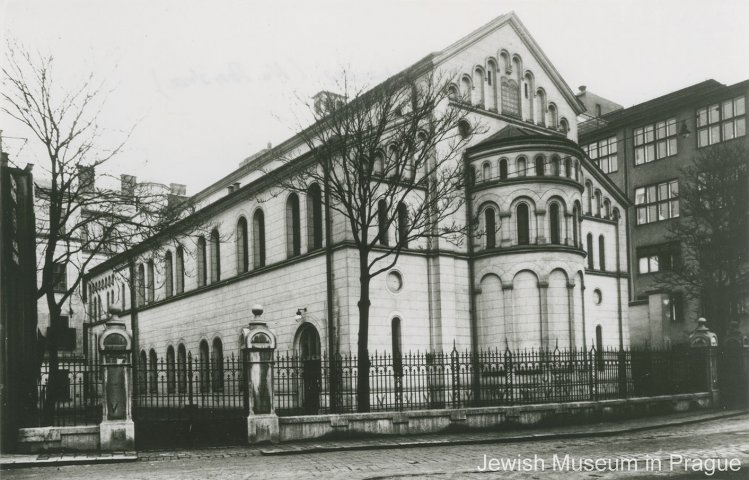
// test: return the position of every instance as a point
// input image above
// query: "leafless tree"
(81, 221)
(387, 159)
(713, 233)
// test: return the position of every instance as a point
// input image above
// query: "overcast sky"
(210, 83)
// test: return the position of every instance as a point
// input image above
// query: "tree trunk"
(362, 384)
(54, 366)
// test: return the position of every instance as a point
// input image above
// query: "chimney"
(127, 184)
(177, 189)
(582, 88)
(86, 179)
(327, 102)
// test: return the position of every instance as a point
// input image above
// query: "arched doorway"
(308, 346)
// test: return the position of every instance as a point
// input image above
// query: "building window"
(153, 384)
(653, 142)
(151, 282)
(510, 98)
(554, 223)
(141, 281)
(382, 223)
(217, 366)
(181, 369)
(591, 266)
(168, 276)
(464, 129)
(314, 217)
(258, 239)
(59, 277)
(403, 225)
(490, 223)
(503, 169)
(395, 333)
(674, 305)
(202, 273)
(241, 241)
(657, 202)
(657, 258)
(521, 165)
(721, 122)
(204, 368)
(215, 256)
(568, 167)
(601, 253)
(180, 269)
(604, 154)
(540, 166)
(293, 233)
(523, 224)
(170, 370)
(556, 169)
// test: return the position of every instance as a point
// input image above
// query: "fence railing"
(457, 379)
(76, 399)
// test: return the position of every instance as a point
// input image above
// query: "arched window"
(217, 366)
(491, 103)
(314, 217)
(486, 171)
(564, 126)
(598, 203)
(503, 169)
(151, 281)
(204, 368)
(490, 223)
(215, 256)
(607, 208)
(395, 333)
(590, 251)
(576, 224)
(403, 226)
(452, 92)
(202, 272)
(554, 223)
(510, 97)
(153, 384)
(539, 166)
(521, 166)
(170, 370)
(553, 117)
(141, 280)
(568, 167)
(556, 166)
(601, 253)
(243, 259)
(258, 239)
(168, 275)
(540, 107)
(589, 189)
(523, 225)
(142, 372)
(464, 129)
(599, 347)
(293, 243)
(181, 369)
(382, 223)
(378, 163)
(478, 84)
(179, 269)
(466, 88)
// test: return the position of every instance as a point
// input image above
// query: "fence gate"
(733, 374)
(189, 401)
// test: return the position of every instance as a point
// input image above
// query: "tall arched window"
(590, 251)
(486, 171)
(554, 223)
(521, 166)
(607, 208)
(151, 281)
(490, 222)
(403, 226)
(168, 275)
(510, 97)
(215, 256)
(598, 203)
(540, 107)
(204, 368)
(491, 103)
(217, 365)
(202, 272)
(142, 372)
(478, 84)
(539, 166)
(243, 259)
(568, 167)
(452, 92)
(466, 88)
(153, 385)
(503, 169)
(179, 269)
(556, 169)
(601, 253)
(523, 225)
(589, 190)
(576, 224)
(382, 223)
(553, 117)
(378, 163)
(314, 217)
(395, 333)
(599, 347)
(258, 239)
(564, 126)
(293, 240)
(170, 370)
(181, 369)
(141, 280)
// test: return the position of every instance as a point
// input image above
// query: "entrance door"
(309, 350)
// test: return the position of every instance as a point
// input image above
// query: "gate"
(733, 373)
(189, 401)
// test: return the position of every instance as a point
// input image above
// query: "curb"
(500, 439)
(68, 461)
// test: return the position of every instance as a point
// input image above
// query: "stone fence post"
(260, 345)
(704, 342)
(117, 430)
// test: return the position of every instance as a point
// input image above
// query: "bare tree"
(80, 222)
(387, 159)
(713, 233)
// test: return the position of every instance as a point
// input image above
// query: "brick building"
(643, 150)
(549, 267)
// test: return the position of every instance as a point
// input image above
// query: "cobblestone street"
(725, 439)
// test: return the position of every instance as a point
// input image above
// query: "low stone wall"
(487, 418)
(55, 439)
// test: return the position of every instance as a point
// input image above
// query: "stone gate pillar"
(117, 430)
(704, 344)
(260, 345)
(735, 367)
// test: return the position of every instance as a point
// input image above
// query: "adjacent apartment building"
(643, 150)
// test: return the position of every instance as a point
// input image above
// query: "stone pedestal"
(705, 344)
(260, 345)
(117, 430)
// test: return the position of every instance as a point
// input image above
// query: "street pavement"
(682, 450)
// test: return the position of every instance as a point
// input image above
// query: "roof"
(514, 134)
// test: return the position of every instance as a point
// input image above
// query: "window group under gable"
(510, 98)
(657, 202)
(604, 154)
(721, 121)
(656, 141)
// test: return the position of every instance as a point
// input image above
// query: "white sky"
(211, 82)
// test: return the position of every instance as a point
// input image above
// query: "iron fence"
(457, 379)
(72, 398)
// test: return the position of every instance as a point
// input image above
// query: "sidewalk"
(371, 443)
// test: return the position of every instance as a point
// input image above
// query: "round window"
(394, 281)
(597, 297)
